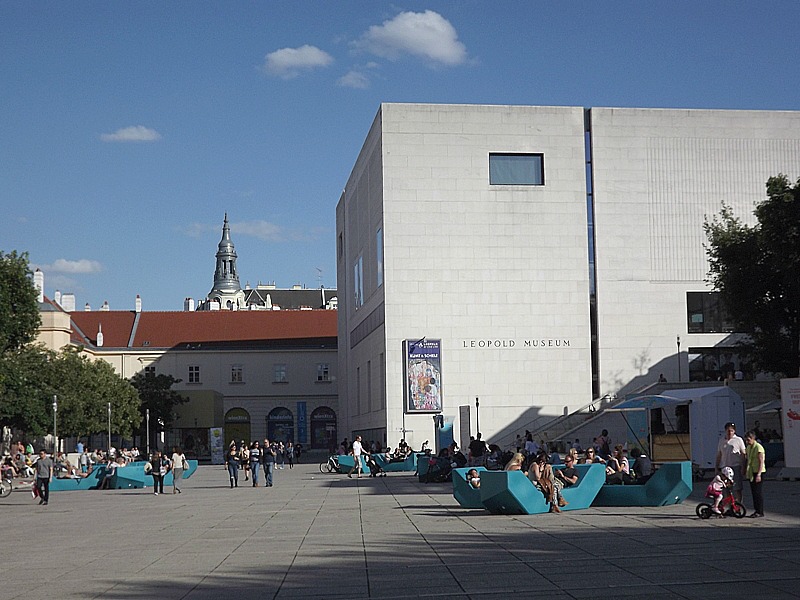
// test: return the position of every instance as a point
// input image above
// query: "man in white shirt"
(731, 452)
(358, 450)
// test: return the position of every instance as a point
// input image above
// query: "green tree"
(756, 269)
(26, 390)
(19, 310)
(156, 394)
(85, 389)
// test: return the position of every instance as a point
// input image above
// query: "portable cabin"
(683, 424)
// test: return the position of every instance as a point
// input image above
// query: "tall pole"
(109, 425)
(147, 443)
(477, 415)
(679, 358)
(55, 425)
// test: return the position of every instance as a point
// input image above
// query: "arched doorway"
(280, 425)
(237, 426)
(323, 428)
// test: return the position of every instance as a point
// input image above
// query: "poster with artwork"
(216, 441)
(423, 367)
(790, 394)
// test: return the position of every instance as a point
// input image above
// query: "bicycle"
(331, 465)
(729, 507)
(6, 486)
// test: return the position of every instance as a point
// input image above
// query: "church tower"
(227, 290)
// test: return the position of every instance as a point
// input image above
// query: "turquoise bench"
(91, 482)
(466, 495)
(409, 464)
(347, 462)
(512, 493)
(131, 476)
(670, 484)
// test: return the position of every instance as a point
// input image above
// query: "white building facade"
(556, 252)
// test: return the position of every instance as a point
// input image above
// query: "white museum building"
(537, 258)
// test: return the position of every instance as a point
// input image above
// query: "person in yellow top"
(755, 471)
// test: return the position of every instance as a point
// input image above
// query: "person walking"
(44, 475)
(732, 453)
(158, 469)
(268, 454)
(232, 463)
(255, 461)
(281, 450)
(755, 471)
(357, 451)
(244, 459)
(290, 454)
(178, 466)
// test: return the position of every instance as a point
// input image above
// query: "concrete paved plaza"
(327, 536)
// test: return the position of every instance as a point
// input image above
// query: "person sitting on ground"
(716, 489)
(618, 468)
(493, 459)
(515, 464)
(568, 475)
(642, 466)
(474, 478)
(541, 475)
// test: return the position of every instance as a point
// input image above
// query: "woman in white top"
(178, 465)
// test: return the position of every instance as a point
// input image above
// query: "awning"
(766, 407)
(650, 402)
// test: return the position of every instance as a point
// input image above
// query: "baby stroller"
(375, 469)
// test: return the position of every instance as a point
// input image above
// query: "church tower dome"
(227, 290)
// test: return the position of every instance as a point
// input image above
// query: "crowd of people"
(253, 458)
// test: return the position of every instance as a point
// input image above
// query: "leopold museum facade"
(536, 258)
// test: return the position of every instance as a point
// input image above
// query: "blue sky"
(127, 130)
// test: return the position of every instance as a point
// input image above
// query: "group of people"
(359, 449)
(251, 459)
(739, 459)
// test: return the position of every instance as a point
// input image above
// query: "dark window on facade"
(516, 169)
(706, 314)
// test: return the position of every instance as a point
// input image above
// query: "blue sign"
(302, 423)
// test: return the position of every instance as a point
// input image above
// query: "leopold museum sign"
(512, 343)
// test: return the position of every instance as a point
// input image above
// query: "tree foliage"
(156, 394)
(26, 389)
(756, 269)
(19, 310)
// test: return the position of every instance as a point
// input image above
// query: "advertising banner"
(216, 441)
(790, 395)
(463, 426)
(423, 388)
(302, 423)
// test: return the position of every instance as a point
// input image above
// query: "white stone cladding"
(465, 262)
(657, 174)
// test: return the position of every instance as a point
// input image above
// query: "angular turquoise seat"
(91, 482)
(512, 493)
(409, 464)
(347, 461)
(466, 495)
(670, 484)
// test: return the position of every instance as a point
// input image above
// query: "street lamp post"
(477, 415)
(147, 443)
(109, 425)
(55, 425)
(679, 358)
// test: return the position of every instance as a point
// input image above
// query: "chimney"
(87, 308)
(188, 304)
(105, 306)
(68, 302)
(99, 335)
(138, 304)
(38, 283)
(57, 297)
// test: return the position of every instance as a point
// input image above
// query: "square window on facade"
(516, 169)
(323, 372)
(150, 370)
(194, 374)
(279, 373)
(237, 374)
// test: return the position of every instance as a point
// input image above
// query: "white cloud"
(263, 230)
(427, 35)
(83, 266)
(354, 79)
(134, 133)
(288, 62)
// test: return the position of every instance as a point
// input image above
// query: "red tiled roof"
(169, 329)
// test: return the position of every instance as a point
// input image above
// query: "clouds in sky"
(134, 133)
(424, 35)
(83, 266)
(289, 62)
(261, 230)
